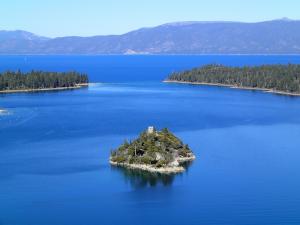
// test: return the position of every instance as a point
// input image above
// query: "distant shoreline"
(234, 87)
(77, 86)
(3, 110)
(154, 54)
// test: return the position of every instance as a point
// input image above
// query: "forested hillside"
(284, 78)
(39, 80)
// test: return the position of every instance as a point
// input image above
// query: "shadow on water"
(139, 179)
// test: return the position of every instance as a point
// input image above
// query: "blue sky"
(91, 17)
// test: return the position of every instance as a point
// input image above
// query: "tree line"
(16, 80)
(277, 77)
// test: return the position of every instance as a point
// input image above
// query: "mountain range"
(270, 37)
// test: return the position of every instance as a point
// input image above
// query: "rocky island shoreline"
(153, 151)
(272, 91)
(76, 86)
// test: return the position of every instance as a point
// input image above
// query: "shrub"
(119, 159)
(161, 163)
(146, 160)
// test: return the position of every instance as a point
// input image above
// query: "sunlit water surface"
(54, 147)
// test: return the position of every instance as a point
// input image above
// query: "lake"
(54, 147)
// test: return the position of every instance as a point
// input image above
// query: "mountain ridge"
(280, 36)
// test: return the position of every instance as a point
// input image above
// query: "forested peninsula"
(281, 79)
(17, 81)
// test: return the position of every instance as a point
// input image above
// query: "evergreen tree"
(38, 79)
(284, 78)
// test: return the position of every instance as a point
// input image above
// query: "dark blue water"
(54, 147)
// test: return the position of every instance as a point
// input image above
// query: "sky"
(55, 18)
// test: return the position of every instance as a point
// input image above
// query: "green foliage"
(119, 159)
(38, 79)
(157, 148)
(161, 163)
(184, 152)
(113, 153)
(131, 160)
(276, 77)
(146, 159)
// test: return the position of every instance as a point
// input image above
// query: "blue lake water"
(54, 147)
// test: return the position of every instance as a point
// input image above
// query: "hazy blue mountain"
(270, 37)
(15, 42)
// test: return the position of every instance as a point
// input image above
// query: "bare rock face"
(155, 151)
(158, 156)
(174, 163)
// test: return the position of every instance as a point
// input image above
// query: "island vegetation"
(15, 81)
(154, 151)
(282, 79)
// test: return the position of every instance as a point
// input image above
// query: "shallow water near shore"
(55, 147)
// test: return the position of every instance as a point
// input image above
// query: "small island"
(11, 82)
(280, 79)
(153, 151)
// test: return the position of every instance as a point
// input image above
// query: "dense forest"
(38, 80)
(285, 78)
